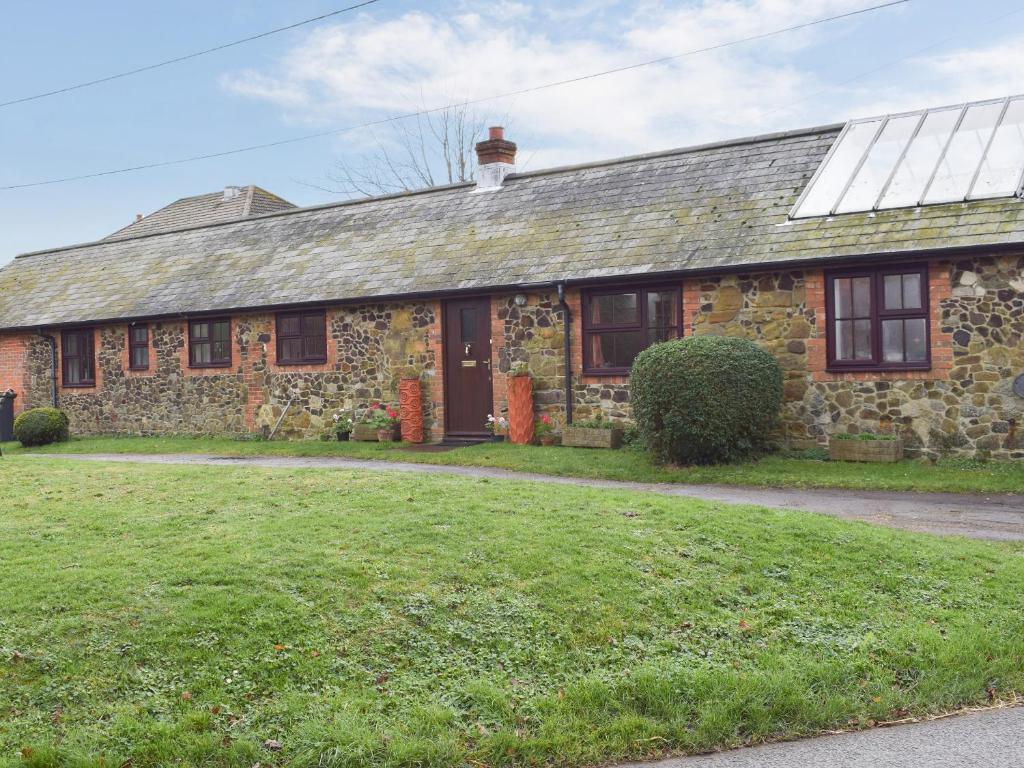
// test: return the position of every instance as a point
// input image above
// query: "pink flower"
(546, 419)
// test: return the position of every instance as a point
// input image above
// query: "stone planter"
(389, 434)
(410, 405)
(587, 437)
(879, 451)
(520, 410)
(364, 433)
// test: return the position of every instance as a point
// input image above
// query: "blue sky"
(396, 56)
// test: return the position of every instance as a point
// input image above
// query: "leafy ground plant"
(208, 616)
(804, 471)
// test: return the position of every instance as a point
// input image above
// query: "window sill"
(318, 361)
(878, 368)
(206, 366)
(83, 385)
(139, 370)
(607, 372)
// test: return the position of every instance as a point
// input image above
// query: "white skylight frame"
(884, 121)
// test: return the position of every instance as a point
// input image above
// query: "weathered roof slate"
(712, 207)
(200, 210)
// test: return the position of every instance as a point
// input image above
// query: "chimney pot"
(138, 217)
(496, 157)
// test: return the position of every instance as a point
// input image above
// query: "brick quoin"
(13, 371)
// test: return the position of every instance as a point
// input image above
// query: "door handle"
(468, 347)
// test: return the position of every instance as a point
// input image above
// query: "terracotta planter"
(520, 410)
(877, 451)
(389, 435)
(410, 405)
(587, 437)
(547, 440)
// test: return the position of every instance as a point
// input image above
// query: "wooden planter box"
(364, 432)
(586, 437)
(879, 451)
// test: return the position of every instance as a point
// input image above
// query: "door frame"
(444, 360)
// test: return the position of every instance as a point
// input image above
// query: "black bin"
(7, 416)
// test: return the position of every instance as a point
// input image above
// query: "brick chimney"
(496, 159)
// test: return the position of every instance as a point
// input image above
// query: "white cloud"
(370, 67)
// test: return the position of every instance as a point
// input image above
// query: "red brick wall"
(13, 368)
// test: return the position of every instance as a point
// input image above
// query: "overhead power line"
(186, 57)
(469, 102)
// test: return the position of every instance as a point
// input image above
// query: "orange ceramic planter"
(410, 405)
(520, 410)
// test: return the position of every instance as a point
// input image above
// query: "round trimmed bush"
(41, 426)
(705, 399)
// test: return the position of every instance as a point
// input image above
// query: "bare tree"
(431, 149)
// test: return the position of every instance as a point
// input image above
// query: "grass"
(948, 475)
(185, 615)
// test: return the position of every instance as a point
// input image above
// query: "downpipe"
(53, 367)
(567, 350)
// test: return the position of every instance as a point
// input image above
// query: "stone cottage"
(881, 261)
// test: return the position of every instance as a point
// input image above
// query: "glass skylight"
(952, 154)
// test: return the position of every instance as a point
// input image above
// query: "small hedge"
(41, 426)
(706, 399)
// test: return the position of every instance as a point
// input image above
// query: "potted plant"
(386, 422)
(887, 449)
(544, 429)
(497, 426)
(596, 432)
(520, 405)
(343, 423)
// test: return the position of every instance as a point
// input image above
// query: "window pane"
(867, 185)
(140, 334)
(140, 357)
(222, 330)
(291, 349)
(964, 154)
(892, 341)
(615, 309)
(861, 296)
(467, 318)
(862, 339)
(200, 330)
(893, 292)
(830, 183)
(1002, 167)
(71, 371)
(201, 353)
(661, 308)
(917, 165)
(71, 344)
(843, 297)
(314, 347)
(844, 340)
(658, 335)
(313, 324)
(912, 291)
(220, 351)
(615, 349)
(289, 326)
(915, 335)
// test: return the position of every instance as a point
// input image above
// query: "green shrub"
(41, 426)
(706, 399)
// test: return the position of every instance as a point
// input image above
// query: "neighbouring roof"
(227, 205)
(715, 206)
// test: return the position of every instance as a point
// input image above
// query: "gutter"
(567, 350)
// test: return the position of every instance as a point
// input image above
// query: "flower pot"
(388, 435)
(877, 451)
(520, 410)
(410, 405)
(343, 437)
(588, 437)
(364, 433)
(547, 440)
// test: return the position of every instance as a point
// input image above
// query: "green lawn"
(949, 475)
(184, 615)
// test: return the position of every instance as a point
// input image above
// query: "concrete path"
(980, 517)
(993, 739)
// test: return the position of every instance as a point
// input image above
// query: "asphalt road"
(991, 739)
(999, 517)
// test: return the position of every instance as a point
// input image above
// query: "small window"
(209, 343)
(878, 319)
(78, 357)
(619, 324)
(138, 347)
(302, 338)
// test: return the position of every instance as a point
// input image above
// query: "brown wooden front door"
(467, 366)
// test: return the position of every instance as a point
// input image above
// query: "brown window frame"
(87, 351)
(194, 341)
(305, 359)
(878, 313)
(134, 345)
(642, 324)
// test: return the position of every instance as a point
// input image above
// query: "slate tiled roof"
(711, 207)
(199, 210)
